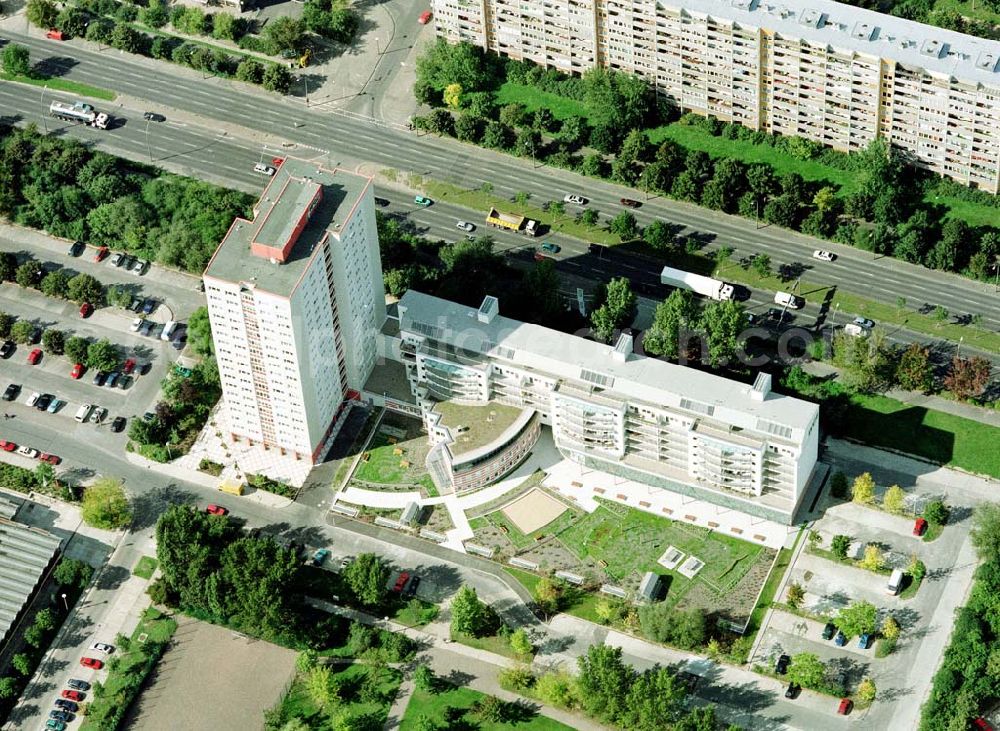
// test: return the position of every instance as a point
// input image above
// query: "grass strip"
(72, 87)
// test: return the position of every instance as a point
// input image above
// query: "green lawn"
(532, 98)
(519, 539)
(443, 706)
(145, 567)
(298, 704)
(935, 435)
(416, 613)
(492, 643)
(73, 87)
(770, 588)
(382, 465)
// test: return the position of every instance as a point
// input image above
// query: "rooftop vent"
(906, 42)
(489, 309)
(933, 48)
(623, 348)
(761, 387)
(987, 61)
(812, 18)
(745, 4)
(864, 31)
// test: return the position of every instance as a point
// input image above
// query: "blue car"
(840, 640)
(320, 556)
(863, 641)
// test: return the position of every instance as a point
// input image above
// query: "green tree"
(8, 687)
(858, 618)
(29, 274)
(105, 504)
(6, 324)
(807, 670)
(604, 681)
(424, 679)
(868, 363)
(873, 558)
(21, 663)
(863, 489)
(470, 615)
(84, 288)
(45, 620)
(893, 501)
(674, 317)
(103, 356)
(42, 13)
(520, 643)
(985, 532)
(936, 512)
(283, 34)
(866, 690)
(55, 283)
(367, 576)
(44, 473)
(276, 78)
(199, 331)
(839, 485)
(8, 266)
(76, 350)
(914, 370)
(22, 332)
(916, 569)
(126, 38)
(658, 235)
(319, 686)
(619, 303)
(890, 629)
(16, 60)
(547, 595)
(588, 217)
(795, 595)
(761, 264)
(306, 660)
(490, 709)
(72, 572)
(840, 545)
(723, 322)
(624, 226)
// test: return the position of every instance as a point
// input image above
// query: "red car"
(77, 371)
(276, 161)
(50, 458)
(85, 309)
(91, 662)
(919, 526)
(981, 724)
(129, 366)
(7, 446)
(55, 35)
(401, 582)
(216, 510)
(101, 253)
(629, 203)
(846, 704)
(34, 356)
(73, 695)
(425, 17)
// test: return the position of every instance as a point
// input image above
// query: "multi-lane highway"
(231, 105)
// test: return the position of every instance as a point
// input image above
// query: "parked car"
(422, 201)
(128, 366)
(781, 667)
(344, 563)
(26, 451)
(91, 662)
(919, 527)
(154, 117)
(76, 248)
(136, 324)
(780, 317)
(64, 716)
(846, 704)
(98, 415)
(77, 371)
(35, 356)
(829, 630)
(55, 34)
(57, 403)
(33, 399)
(981, 724)
(101, 253)
(320, 556)
(44, 401)
(146, 327)
(7, 446)
(551, 248)
(117, 259)
(576, 200)
(630, 203)
(112, 379)
(66, 705)
(128, 262)
(12, 391)
(148, 306)
(214, 509)
(118, 424)
(411, 588)
(8, 348)
(401, 582)
(77, 684)
(864, 640)
(103, 647)
(99, 378)
(824, 255)
(55, 725)
(425, 17)
(73, 695)
(792, 691)
(465, 226)
(140, 267)
(840, 639)
(85, 309)
(264, 169)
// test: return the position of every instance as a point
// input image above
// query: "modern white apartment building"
(295, 301)
(817, 69)
(725, 442)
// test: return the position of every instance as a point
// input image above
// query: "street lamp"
(65, 603)
(41, 100)
(149, 150)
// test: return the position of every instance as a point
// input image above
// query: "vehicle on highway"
(401, 581)
(465, 226)
(85, 309)
(103, 647)
(140, 267)
(55, 725)
(12, 391)
(422, 201)
(154, 117)
(117, 259)
(539, 256)
(57, 403)
(629, 202)
(577, 200)
(44, 401)
(829, 630)
(99, 414)
(77, 684)
(66, 705)
(112, 379)
(381, 202)
(136, 324)
(55, 34)
(714, 289)
(513, 222)
(8, 348)
(792, 690)
(78, 370)
(864, 322)
(7, 446)
(320, 556)
(845, 706)
(73, 695)
(411, 588)
(149, 306)
(264, 169)
(100, 377)
(551, 248)
(855, 330)
(118, 424)
(425, 17)
(787, 299)
(91, 662)
(824, 255)
(35, 356)
(33, 398)
(781, 667)
(26, 451)
(128, 366)
(214, 509)
(101, 253)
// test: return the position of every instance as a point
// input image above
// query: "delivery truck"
(705, 286)
(512, 222)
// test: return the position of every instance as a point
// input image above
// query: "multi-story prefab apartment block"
(485, 383)
(816, 69)
(295, 301)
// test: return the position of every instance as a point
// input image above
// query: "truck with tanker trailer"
(705, 286)
(81, 113)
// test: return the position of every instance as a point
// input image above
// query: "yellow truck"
(512, 222)
(232, 487)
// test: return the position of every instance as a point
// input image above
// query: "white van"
(168, 330)
(786, 299)
(895, 581)
(83, 412)
(855, 330)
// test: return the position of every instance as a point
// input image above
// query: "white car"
(27, 451)
(864, 322)
(823, 255)
(139, 267)
(33, 399)
(465, 226)
(98, 415)
(575, 199)
(136, 324)
(264, 169)
(101, 647)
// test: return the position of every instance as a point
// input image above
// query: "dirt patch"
(533, 511)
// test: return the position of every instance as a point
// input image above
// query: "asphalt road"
(231, 103)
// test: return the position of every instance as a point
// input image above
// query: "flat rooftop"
(483, 423)
(276, 211)
(593, 367)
